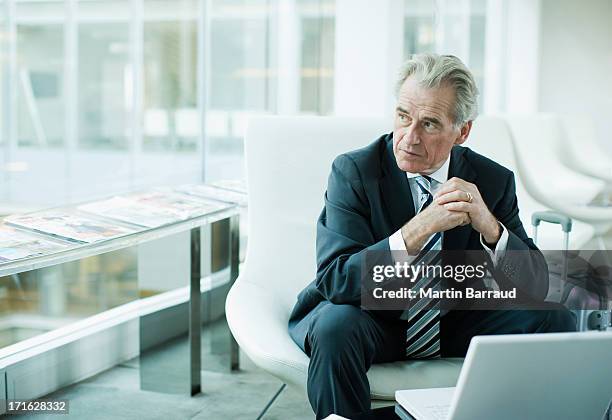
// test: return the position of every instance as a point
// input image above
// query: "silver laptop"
(527, 376)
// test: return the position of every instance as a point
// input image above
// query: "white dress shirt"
(439, 177)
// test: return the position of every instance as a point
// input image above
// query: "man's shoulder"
(483, 165)
(366, 161)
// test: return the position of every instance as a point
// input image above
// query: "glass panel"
(3, 63)
(239, 8)
(477, 45)
(160, 10)
(104, 86)
(251, 70)
(419, 30)
(238, 63)
(40, 85)
(462, 24)
(42, 300)
(317, 72)
(171, 118)
(238, 81)
(103, 10)
(39, 11)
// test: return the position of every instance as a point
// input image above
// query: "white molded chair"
(288, 161)
(491, 137)
(580, 150)
(537, 138)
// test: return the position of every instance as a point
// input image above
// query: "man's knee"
(556, 319)
(336, 327)
(561, 320)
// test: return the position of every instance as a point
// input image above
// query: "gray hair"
(433, 70)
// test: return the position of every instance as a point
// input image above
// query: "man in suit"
(413, 190)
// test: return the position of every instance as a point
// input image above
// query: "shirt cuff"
(500, 248)
(396, 243)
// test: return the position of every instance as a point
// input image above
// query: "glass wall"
(103, 86)
(4, 35)
(100, 97)
(317, 56)
(38, 65)
(171, 116)
(478, 18)
(42, 300)
(40, 98)
(419, 27)
(265, 56)
(448, 27)
(239, 78)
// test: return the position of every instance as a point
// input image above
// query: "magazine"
(16, 244)
(183, 205)
(209, 191)
(70, 225)
(152, 209)
(130, 211)
(236, 185)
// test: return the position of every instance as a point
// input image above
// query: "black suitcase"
(578, 299)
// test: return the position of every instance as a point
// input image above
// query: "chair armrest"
(259, 325)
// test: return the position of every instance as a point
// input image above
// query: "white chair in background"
(580, 150)
(491, 137)
(288, 160)
(536, 138)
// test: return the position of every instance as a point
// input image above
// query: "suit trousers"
(343, 341)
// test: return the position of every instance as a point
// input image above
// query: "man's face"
(423, 133)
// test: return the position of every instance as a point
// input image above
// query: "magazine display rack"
(52, 237)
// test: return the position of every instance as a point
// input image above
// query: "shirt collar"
(441, 175)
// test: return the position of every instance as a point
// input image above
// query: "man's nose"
(411, 135)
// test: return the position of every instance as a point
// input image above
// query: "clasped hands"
(456, 203)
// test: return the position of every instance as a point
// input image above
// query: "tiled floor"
(116, 394)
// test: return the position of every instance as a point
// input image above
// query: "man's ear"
(464, 133)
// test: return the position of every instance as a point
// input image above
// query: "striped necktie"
(423, 332)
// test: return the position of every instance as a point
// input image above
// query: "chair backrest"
(537, 139)
(580, 150)
(491, 136)
(288, 160)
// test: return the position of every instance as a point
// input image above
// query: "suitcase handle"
(552, 217)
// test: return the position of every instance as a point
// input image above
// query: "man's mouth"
(409, 153)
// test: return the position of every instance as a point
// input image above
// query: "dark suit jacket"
(368, 198)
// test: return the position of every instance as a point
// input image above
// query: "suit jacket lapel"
(395, 190)
(459, 167)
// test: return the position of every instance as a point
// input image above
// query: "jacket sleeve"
(344, 235)
(523, 265)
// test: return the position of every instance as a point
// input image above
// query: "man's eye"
(429, 125)
(405, 119)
